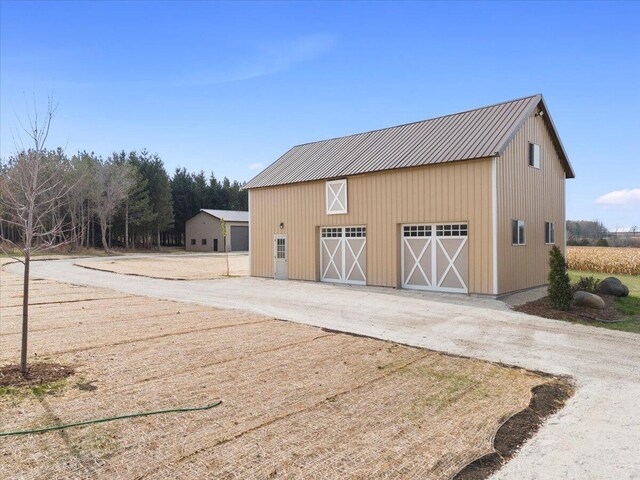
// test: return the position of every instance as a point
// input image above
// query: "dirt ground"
(200, 267)
(543, 308)
(298, 401)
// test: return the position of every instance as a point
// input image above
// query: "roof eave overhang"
(569, 173)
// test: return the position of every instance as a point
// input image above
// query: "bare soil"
(201, 267)
(543, 308)
(37, 374)
(298, 402)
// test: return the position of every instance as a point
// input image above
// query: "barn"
(203, 231)
(466, 203)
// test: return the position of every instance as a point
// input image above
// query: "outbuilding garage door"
(343, 255)
(435, 257)
(239, 238)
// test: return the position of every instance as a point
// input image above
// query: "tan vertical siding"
(459, 191)
(533, 195)
(203, 225)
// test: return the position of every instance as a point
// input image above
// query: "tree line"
(125, 200)
(594, 233)
(49, 200)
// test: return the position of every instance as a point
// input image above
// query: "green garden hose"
(110, 419)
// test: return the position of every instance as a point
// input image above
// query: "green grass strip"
(110, 419)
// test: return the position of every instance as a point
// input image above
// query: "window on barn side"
(517, 232)
(549, 233)
(534, 155)
(336, 197)
(193, 241)
(204, 241)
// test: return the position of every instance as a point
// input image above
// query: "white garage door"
(435, 257)
(343, 255)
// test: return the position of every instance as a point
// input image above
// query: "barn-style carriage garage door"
(435, 257)
(343, 255)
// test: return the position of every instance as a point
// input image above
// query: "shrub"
(559, 286)
(586, 284)
(602, 243)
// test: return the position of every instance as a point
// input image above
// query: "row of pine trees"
(130, 200)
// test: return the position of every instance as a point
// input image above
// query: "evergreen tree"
(559, 289)
(158, 189)
(182, 195)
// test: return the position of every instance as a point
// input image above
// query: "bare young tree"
(223, 228)
(114, 182)
(33, 191)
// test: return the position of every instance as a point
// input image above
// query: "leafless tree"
(223, 229)
(114, 182)
(33, 191)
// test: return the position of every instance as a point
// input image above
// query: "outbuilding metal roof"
(228, 215)
(480, 133)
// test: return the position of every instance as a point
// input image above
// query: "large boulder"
(613, 286)
(586, 299)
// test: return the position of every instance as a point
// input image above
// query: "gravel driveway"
(596, 436)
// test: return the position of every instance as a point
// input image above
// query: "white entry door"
(280, 257)
(343, 255)
(435, 257)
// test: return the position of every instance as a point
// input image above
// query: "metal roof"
(228, 215)
(480, 133)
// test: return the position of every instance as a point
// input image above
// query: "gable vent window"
(336, 197)
(534, 155)
(517, 232)
(549, 233)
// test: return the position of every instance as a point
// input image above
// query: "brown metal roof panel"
(513, 114)
(473, 134)
(309, 161)
(483, 130)
(458, 135)
(387, 144)
(418, 155)
(440, 127)
(332, 162)
(302, 164)
(397, 145)
(327, 162)
(368, 149)
(529, 106)
(487, 146)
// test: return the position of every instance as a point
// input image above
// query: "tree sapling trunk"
(25, 316)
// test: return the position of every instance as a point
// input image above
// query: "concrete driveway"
(596, 436)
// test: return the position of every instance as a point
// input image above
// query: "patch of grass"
(9, 391)
(36, 390)
(628, 306)
(48, 388)
(631, 281)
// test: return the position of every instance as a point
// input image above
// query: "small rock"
(586, 299)
(613, 286)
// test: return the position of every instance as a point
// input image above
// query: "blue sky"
(229, 87)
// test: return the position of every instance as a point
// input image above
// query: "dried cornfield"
(624, 261)
(298, 401)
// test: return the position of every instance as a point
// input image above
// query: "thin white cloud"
(268, 59)
(625, 197)
(256, 166)
(262, 60)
